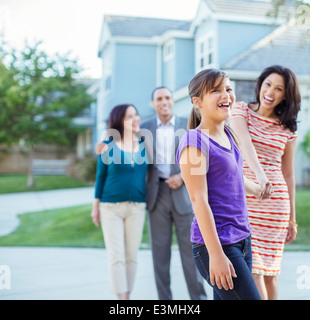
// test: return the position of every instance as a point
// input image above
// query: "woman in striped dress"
(267, 135)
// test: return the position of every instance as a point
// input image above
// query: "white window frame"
(107, 83)
(107, 67)
(205, 50)
(169, 50)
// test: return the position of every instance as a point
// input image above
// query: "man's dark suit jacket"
(179, 196)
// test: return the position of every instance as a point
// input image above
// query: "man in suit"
(167, 199)
(166, 196)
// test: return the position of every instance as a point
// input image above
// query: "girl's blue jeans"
(240, 255)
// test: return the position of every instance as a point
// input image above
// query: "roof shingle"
(247, 7)
(143, 27)
(291, 48)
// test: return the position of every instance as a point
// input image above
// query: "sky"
(75, 25)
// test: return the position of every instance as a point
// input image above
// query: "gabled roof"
(246, 7)
(288, 46)
(126, 26)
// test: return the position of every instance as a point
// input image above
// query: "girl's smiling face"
(217, 103)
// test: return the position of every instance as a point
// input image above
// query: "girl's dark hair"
(289, 107)
(116, 117)
(203, 82)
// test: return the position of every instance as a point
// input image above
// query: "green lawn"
(303, 219)
(18, 183)
(72, 227)
(68, 227)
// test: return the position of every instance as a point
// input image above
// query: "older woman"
(266, 129)
(119, 202)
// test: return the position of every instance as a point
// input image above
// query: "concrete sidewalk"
(82, 274)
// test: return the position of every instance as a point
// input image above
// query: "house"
(87, 120)
(238, 36)
(137, 55)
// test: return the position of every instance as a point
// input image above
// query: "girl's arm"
(252, 188)
(289, 177)
(193, 164)
(248, 151)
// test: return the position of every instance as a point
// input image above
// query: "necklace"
(130, 147)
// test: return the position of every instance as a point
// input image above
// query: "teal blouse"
(121, 176)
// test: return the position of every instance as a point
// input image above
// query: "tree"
(9, 99)
(40, 97)
(305, 145)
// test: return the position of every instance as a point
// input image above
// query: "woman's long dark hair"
(116, 118)
(289, 107)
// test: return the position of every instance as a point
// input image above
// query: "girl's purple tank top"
(226, 191)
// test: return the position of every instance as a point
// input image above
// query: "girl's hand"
(221, 272)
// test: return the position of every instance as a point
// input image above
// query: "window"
(169, 49)
(205, 52)
(107, 83)
(107, 69)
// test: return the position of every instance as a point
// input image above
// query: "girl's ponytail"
(194, 119)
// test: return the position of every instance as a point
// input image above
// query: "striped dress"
(269, 219)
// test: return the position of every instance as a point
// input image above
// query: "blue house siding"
(183, 107)
(135, 69)
(236, 37)
(179, 69)
(205, 27)
(169, 73)
(185, 64)
(104, 97)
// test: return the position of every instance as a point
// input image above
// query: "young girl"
(211, 166)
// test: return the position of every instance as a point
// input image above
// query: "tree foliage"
(305, 145)
(40, 96)
(299, 9)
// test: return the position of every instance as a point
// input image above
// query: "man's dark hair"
(161, 87)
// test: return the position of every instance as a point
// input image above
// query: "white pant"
(122, 225)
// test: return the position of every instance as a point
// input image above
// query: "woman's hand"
(291, 234)
(95, 213)
(100, 148)
(261, 190)
(221, 271)
(266, 186)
